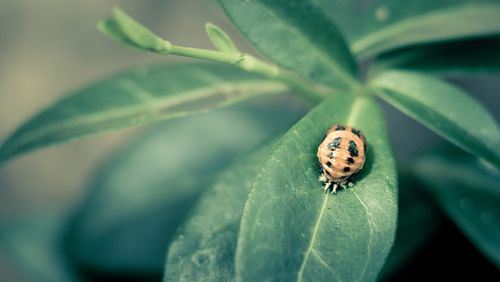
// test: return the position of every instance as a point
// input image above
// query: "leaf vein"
(370, 229)
(300, 274)
(323, 262)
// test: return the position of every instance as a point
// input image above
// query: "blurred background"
(50, 48)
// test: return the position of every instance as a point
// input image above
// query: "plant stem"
(310, 91)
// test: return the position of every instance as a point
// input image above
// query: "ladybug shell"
(342, 152)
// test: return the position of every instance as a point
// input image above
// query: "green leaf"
(124, 29)
(292, 231)
(111, 29)
(205, 245)
(453, 23)
(297, 36)
(376, 26)
(220, 39)
(467, 190)
(457, 57)
(32, 241)
(141, 195)
(417, 222)
(134, 98)
(443, 108)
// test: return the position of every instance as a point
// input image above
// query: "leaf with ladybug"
(292, 231)
(443, 108)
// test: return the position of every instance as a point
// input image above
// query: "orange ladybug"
(341, 154)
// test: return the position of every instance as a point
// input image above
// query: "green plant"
(265, 217)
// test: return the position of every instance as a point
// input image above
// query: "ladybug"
(341, 154)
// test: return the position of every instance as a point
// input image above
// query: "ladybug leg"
(334, 190)
(323, 178)
(350, 184)
(327, 185)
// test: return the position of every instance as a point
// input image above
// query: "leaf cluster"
(264, 216)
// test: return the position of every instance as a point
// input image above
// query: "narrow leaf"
(205, 245)
(452, 23)
(456, 57)
(468, 191)
(292, 231)
(133, 32)
(298, 36)
(134, 98)
(139, 197)
(220, 39)
(111, 29)
(443, 108)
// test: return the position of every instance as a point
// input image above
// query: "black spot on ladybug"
(326, 171)
(350, 160)
(353, 149)
(329, 164)
(347, 169)
(335, 143)
(330, 155)
(356, 132)
(340, 127)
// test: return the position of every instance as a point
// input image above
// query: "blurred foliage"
(33, 242)
(467, 189)
(139, 198)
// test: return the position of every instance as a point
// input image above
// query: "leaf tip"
(103, 24)
(118, 13)
(209, 26)
(220, 40)
(125, 29)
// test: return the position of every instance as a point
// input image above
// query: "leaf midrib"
(362, 46)
(370, 228)
(355, 113)
(310, 248)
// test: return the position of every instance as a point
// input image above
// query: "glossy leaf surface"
(443, 108)
(288, 33)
